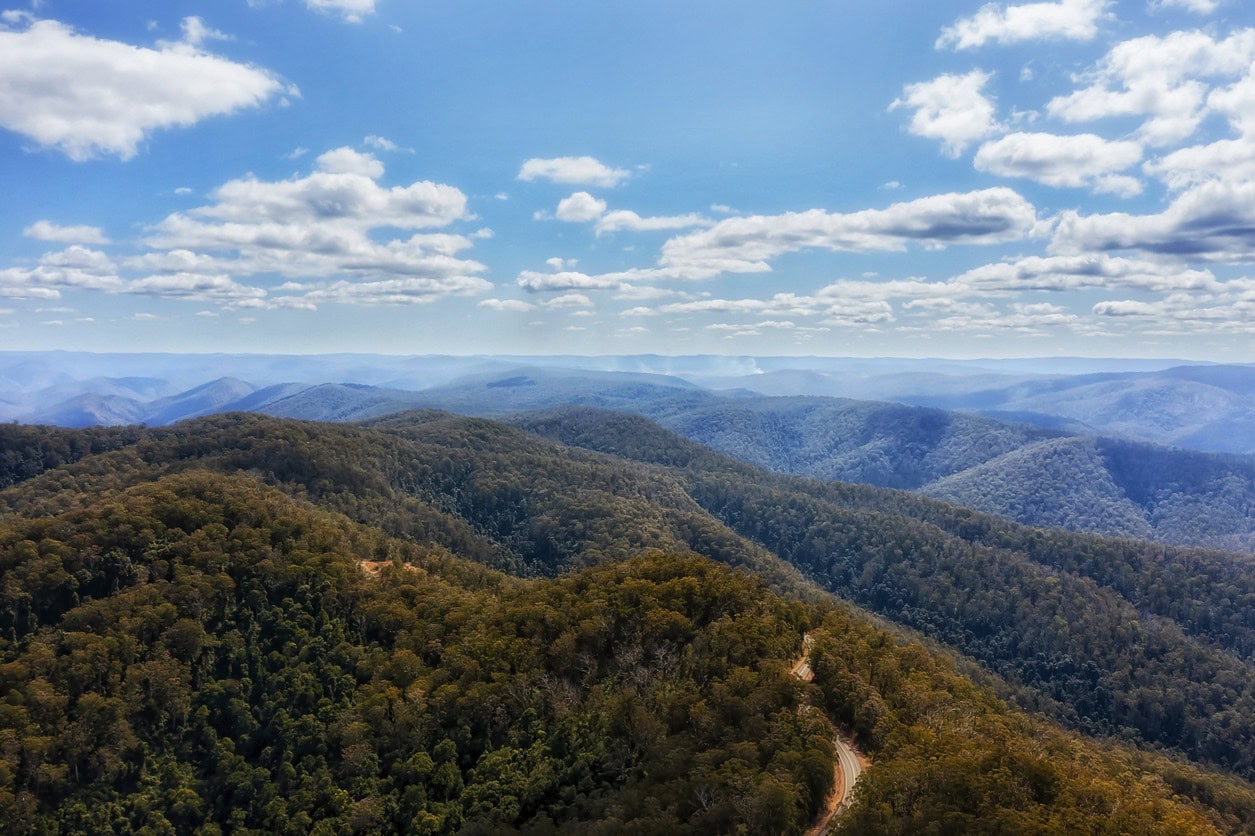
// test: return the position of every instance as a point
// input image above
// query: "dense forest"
(438, 624)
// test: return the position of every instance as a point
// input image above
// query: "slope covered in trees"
(200, 651)
(1114, 487)
(1115, 636)
(1093, 631)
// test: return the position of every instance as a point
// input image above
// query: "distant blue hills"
(1145, 449)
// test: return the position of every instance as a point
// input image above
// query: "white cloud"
(580, 207)
(319, 225)
(623, 220)
(951, 108)
(745, 245)
(576, 171)
(384, 144)
(1214, 221)
(48, 231)
(87, 97)
(196, 32)
(1119, 185)
(176, 261)
(1061, 161)
(570, 300)
(1202, 7)
(1074, 20)
(780, 304)
(1230, 311)
(352, 11)
(1237, 103)
(1160, 78)
(326, 225)
(411, 291)
(195, 287)
(1083, 272)
(506, 305)
(564, 280)
(855, 312)
(349, 161)
(1231, 159)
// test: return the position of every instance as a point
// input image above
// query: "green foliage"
(183, 649)
(200, 651)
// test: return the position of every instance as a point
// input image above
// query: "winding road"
(847, 769)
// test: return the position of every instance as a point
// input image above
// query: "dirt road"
(847, 769)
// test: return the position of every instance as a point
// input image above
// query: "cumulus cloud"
(76, 267)
(1084, 272)
(854, 312)
(623, 220)
(580, 207)
(329, 229)
(1214, 221)
(1237, 103)
(746, 245)
(1232, 311)
(1080, 161)
(570, 300)
(48, 231)
(403, 291)
(1073, 20)
(1160, 78)
(349, 161)
(321, 225)
(575, 171)
(88, 97)
(1232, 159)
(195, 287)
(535, 282)
(1227, 159)
(951, 108)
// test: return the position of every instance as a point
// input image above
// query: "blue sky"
(908, 179)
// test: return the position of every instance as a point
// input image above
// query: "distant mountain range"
(1004, 453)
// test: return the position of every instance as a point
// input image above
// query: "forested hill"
(229, 599)
(1034, 475)
(1029, 474)
(1116, 487)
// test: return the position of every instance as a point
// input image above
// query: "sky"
(846, 178)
